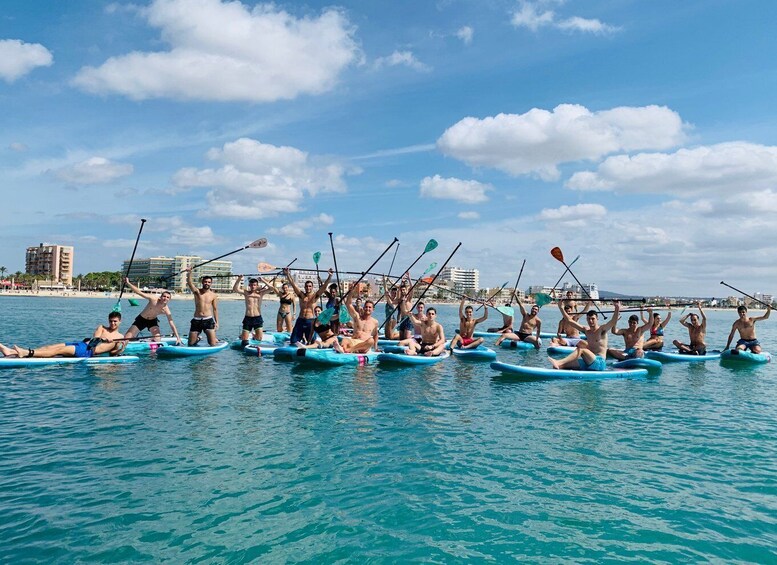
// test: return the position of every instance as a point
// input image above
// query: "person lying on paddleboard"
(206, 312)
(696, 331)
(530, 324)
(149, 316)
(365, 328)
(632, 337)
(303, 328)
(467, 322)
(589, 355)
(252, 320)
(432, 341)
(567, 334)
(110, 340)
(746, 328)
(656, 340)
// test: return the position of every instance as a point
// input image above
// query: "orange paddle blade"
(557, 254)
(427, 280)
(265, 267)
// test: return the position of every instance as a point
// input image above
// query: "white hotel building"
(462, 279)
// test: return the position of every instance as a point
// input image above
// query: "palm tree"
(3, 271)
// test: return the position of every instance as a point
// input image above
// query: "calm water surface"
(233, 459)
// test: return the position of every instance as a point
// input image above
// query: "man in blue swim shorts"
(589, 355)
(746, 328)
(632, 337)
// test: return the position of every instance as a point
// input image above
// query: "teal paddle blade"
(345, 317)
(506, 310)
(132, 302)
(117, 307)
(541, 299)
(326, 315)
(432, 245)
(316, 257)
(431, 268)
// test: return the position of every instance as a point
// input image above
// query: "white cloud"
(18, 147)
(539, 140)
(18, 58)
(258, 180)
(303, 228)
(95, 170)
(724, 168)
(465, 33)
(225, 51)
(572, 213)
(469, 191)
(469, 215)
(401, 58)
(533, 17)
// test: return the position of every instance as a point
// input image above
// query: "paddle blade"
(427, 280)
(258, 244)
(344, 316)
(132, 302)
(316, 257)
(506, 310)
(557, 254)
(541, 299)
(117, 307)
(430, 269)
(265, 267)
(326, 315)
(431, 246)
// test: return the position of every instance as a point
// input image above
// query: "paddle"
(316, 259)
(431, 245)
(745, 294)
(559, 256)
(410, 292)
(392, 259)
(515, 288)
(117, 307)
(493, 295)
(258, 244)
(343, 316)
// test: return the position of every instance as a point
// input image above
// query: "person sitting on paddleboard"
(696, 331)
(530, 324)
(467, 322)
(746, 328)
(656, 340)
(108, 341)
(303, 328)
(507, 322)
(149, 316)
(326, 336)
(252, 320)
(567, 334)
(419, 315)
(632, 337)
(206, 312)
(365, 329)
(432, 341)
(389, 309)
(589, 355)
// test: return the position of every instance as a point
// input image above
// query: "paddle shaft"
(566, 270)
(588, 295)
(518, 280)
(745, 294)
(399, 278)
(132, 258)
(211, 260)
(492, 296)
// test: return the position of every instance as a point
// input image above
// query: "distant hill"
(613, 295)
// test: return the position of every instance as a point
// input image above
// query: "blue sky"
(638, 135)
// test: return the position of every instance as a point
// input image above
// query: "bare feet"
(554, 363)
(7, 351)
(19, 351)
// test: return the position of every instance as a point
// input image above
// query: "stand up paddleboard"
(745, 357)
(15, 362)
(540, 373)
(191, 351)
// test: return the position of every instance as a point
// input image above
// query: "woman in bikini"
(327, 337)
(656, 340)
(285, 319)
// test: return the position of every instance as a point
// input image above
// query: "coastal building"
(464, 280)
(164, 272)
(55, 262)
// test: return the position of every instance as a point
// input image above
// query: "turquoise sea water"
(231, 459)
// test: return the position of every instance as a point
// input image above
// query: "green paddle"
(541, 299)
(316, 259)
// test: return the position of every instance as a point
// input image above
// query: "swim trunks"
(144, 323)
(406, 325)
(466, 341)
(748, 343)
(251, 323)
(631, 352)
(82, 349)
(201, 324)
(303, 330)
(522, 335)
(426, 347)
(598, 364)
(573, 341)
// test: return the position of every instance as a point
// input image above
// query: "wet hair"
(741, 308)
(253, 281)
(114, 316)
(431, 309)
(633, 318)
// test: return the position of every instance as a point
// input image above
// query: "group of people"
(413, 326)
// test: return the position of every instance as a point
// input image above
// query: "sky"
(639, 136)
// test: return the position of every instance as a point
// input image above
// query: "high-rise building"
(52, 261)
(462, 279)
(164, 272)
